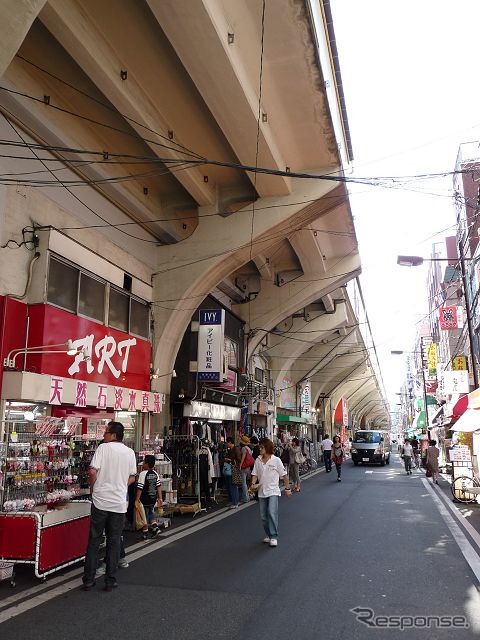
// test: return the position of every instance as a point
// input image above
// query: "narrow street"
(378, 540)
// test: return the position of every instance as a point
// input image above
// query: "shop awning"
(282, 417)
(468, 422)
(460, 406)
(438, 417)
(431, 401)
(419, 422)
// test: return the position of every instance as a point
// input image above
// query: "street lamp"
(399, 353)
(415, 261)
(68, 348)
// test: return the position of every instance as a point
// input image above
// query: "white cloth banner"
(451, 382)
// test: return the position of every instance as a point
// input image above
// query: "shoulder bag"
(299, 457)
(227, 469)
(248, 461)
(237, 476)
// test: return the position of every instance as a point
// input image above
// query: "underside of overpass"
(208, 140)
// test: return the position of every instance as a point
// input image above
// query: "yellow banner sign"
(432, 358)
(459, 363)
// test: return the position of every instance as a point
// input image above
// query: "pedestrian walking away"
(432, 460)
(338, 456)
(327, 452)
(112, 469)
(407, 453)
(267, 472)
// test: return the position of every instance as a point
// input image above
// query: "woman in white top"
(266, 475)
(407, 453)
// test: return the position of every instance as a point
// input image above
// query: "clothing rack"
(183, 451)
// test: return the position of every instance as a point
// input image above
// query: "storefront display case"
(42, 520)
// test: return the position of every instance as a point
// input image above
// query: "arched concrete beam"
(274, 304)
(219, 246)
(314, 364)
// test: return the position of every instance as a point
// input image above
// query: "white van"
(370, 446)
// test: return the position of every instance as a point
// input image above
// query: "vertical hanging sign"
(450, 318)
(210, 345)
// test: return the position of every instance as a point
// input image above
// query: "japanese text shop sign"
(306, 400)
(211, 345)
(453, 382)
(451, 318)
(89, 394)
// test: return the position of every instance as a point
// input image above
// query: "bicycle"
(466, 489)
(310, 464)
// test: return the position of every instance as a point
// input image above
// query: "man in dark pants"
(327, 452)
(112, 469)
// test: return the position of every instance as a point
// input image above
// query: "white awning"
(468, 422)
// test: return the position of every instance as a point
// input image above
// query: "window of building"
(91, 299)
(259, 374)
(62, 285)
(118, 310)
(139, 318)
(73, 289)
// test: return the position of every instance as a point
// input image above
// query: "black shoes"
(87, 586)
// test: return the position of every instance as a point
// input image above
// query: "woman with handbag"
(338, 456)
(295, 457)
(246, 464)
(231, 467)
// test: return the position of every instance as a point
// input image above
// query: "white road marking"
(469, 553)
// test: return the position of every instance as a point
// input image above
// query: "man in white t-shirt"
(112, 469)
(327, 452)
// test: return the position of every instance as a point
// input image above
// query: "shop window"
(62, 285)
(118, 310)
(139, 318)
(91, 300)
(259, 375)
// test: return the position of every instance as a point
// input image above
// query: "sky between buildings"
(409, 73)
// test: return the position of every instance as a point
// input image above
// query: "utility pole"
(467, 311)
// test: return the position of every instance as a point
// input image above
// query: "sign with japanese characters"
(432, 359)
(210, 345)
(56, 390)
(460, 453)
(459, 363)
(454, 382)
(451, 318)
(306, 400)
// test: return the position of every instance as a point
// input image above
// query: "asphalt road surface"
(357, 559)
